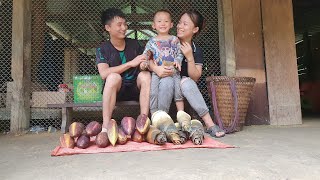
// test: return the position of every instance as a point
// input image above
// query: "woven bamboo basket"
(225, 101)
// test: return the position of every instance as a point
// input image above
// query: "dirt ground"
(263, 152)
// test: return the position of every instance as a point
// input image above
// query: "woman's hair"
(197, 19)
(110, 14)
(164, 11)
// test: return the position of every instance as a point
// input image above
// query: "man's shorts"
(128, 92)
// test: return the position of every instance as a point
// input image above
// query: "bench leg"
(66, 119)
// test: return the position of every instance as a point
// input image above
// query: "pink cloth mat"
(134, 146)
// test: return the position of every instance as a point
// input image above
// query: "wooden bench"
(67, 110)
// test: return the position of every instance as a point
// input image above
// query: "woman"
(190, 24)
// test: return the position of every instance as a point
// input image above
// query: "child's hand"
(144, 66)
(177, 66)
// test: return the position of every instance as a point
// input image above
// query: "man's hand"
(137, 60)
(144, 66)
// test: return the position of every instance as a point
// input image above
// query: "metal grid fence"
(65, 34)
(5, 62)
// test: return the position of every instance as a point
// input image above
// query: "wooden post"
(247, 27)
(226, 38)
(71, 58)
(21, 65)
(281, 62)
(66, 119)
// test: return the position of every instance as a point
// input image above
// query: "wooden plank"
(247, 34)
(226, 37)
(249, 56)
(36, 113)
(21, 65)
(97, 104)
(281, 64)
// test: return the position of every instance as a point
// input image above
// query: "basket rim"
(228, 78)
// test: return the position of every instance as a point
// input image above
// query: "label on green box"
(87, 89)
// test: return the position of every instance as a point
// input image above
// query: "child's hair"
(109, 14)
(163, 10)
(197, 19)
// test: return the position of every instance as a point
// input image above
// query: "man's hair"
(109, 14)
(163, 11)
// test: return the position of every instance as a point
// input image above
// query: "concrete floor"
(265, 152)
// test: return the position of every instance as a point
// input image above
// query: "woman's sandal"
(213, 130)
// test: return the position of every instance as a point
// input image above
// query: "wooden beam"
(74, 17)
(67, 42)
(226, 38)
(21, 66)
(249, 56)
(281, 63)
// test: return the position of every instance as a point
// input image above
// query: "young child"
(166, 52)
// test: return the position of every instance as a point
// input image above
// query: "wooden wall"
(249, 55)
(264, 48)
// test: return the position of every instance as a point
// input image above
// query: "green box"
(87, 89)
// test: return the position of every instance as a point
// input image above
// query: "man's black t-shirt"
(107, 53)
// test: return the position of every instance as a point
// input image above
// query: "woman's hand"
(194, 71)
(186, 50)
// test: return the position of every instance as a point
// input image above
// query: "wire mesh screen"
(65, 34)
(5, 63)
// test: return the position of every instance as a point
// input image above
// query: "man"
(118, 62)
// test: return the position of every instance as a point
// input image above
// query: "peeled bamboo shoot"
(197, 132)
(184, 119)
(162, 121)
(155, 136)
